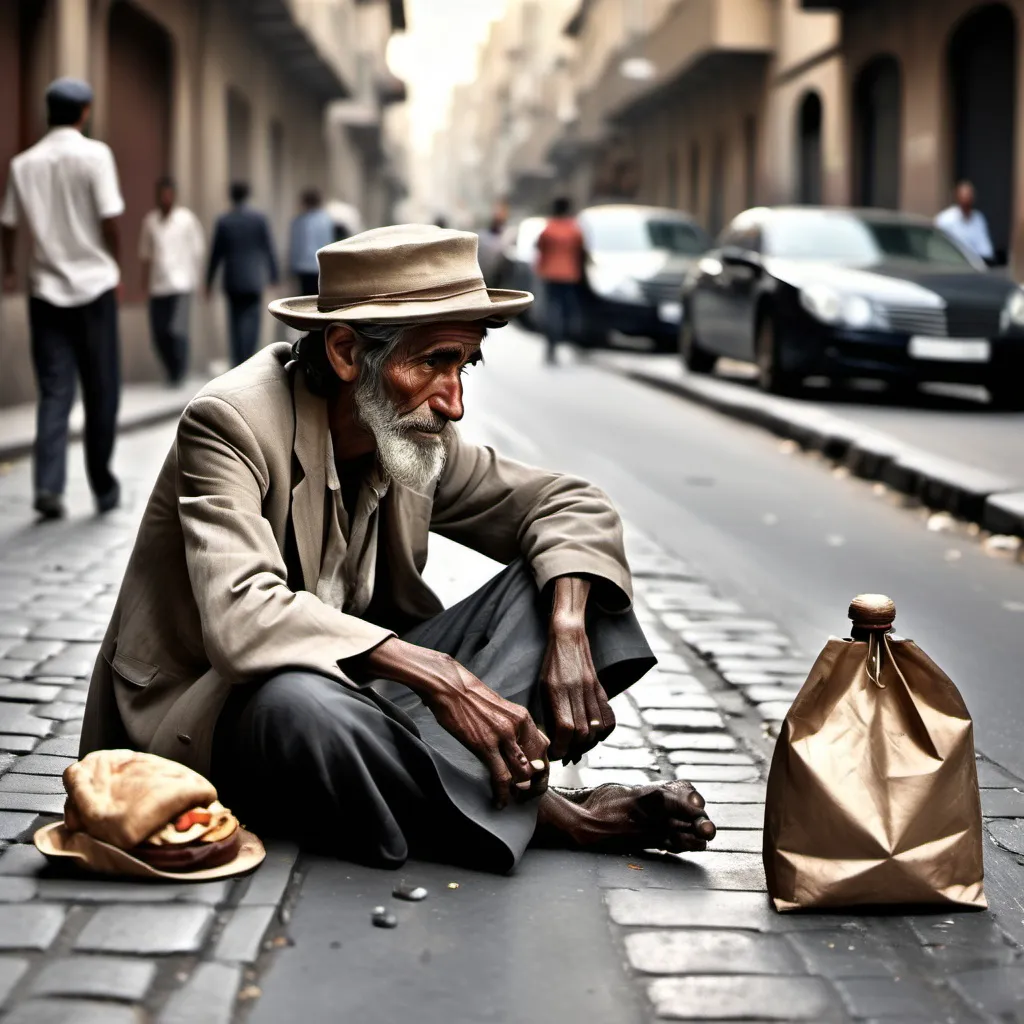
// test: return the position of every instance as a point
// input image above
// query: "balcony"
(307, 38)
(695, 39)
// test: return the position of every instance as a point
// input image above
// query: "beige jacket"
(220, 588)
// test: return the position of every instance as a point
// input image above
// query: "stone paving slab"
(101, 977)
(145, 930)
(716, 998)
(73, 1011)
(30, 926)
(711, 951)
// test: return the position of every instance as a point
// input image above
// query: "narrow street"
(773, 529)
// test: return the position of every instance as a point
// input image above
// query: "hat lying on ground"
(129, 813)
(403, 274)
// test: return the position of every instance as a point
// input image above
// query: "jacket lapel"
(308, 493)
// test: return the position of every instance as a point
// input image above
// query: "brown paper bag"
(873, 790)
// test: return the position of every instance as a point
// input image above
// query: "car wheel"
(695, 358)
(1006, 393)
(770, 374)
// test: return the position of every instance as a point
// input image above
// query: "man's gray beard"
(411, 461)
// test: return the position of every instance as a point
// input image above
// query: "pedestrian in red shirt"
(561, 253)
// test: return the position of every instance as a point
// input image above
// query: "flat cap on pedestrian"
(71, 90)
(402, 274)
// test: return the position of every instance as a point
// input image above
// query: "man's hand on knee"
(502, 734)
(579, 713)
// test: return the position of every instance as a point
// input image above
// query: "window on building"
(809, 122)
(876, 144)
(983, 89)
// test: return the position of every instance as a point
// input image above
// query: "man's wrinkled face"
(410, 405)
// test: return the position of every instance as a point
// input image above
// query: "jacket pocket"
(131, 670)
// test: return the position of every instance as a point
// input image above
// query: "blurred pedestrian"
(561, 253)
(64, 191)
(311, 230)
(490, 251)
(171, 250)
(966, 224)
(242, 242)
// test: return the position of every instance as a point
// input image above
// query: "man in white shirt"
(64, 191)
(171, 249)
(967, 225)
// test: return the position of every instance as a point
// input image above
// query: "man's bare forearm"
(569, 604)
(112, 237)
(426, 672)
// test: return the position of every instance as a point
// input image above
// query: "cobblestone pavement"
(708, 946)
(703, 943)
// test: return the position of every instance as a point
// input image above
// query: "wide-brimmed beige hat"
(125, 809)
(403, 274)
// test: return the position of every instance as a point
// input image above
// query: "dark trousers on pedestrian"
(562, 313)
(243, 324)
(309, 284)
(70, 341)
(168, 322)
(369, 775)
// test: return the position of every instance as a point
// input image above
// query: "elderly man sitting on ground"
(273, 630)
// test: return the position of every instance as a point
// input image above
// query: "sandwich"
(203, 837)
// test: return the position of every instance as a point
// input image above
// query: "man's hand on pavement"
(579, 714)
(502, 734)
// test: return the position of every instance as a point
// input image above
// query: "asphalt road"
(953, 421)
(778, 531)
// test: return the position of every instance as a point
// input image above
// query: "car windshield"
(846, 238)
(629, 232)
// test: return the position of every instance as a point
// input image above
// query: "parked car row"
(799, 291)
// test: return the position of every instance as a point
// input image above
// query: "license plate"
(952, 350)
(670, 312)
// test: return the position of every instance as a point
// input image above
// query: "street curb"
(19, 448)
(994, 502)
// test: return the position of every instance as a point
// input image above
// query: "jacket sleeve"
(253, 622)
(560, 524)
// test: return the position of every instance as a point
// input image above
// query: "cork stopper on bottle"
(872, 611)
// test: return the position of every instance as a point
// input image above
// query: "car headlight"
(613, 284)
(832, 307)
(1013, 311)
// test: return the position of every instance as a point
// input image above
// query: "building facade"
(931, 89)
(208, 91)
(715, 105)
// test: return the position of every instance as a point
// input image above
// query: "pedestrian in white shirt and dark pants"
(64, 191)
(967, 225)
(171, 249)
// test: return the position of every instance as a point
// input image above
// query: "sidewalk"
(992, 496)
(142, 405)
(696, 930)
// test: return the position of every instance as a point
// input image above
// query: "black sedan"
(637, 257)
(852, 293)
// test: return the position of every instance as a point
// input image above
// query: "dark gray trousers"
(169, 323)
(69, 341)
(369, 775)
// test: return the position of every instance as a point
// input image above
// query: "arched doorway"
(983, 86)
(877, 112)
(139, 121)
(809, 119)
